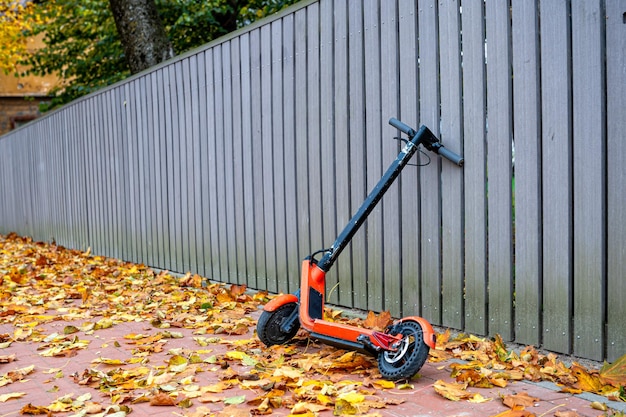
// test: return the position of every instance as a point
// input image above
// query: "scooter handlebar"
(431, 144)
(451, 156)
(401, 126)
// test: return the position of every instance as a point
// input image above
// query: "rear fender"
(430, 337)
(280, 301)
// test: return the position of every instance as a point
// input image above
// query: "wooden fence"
(238, 159)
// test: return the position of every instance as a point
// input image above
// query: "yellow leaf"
(352, 397)
(10, 396)
(451, 391)
(615, 373)
(384, 384)
(596, 405)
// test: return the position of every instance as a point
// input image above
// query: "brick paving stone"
(53, 378)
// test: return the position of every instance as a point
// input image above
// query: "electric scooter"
(403, 347)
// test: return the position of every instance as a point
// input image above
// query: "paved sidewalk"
(66, 376)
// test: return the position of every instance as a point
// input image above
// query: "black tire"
(268, 326)
(409, 358)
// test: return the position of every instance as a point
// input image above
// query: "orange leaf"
(162, 399)
(377, 322)
(522, 399)
(586, 381)
(518, 412)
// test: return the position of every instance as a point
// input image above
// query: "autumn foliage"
(191, 345)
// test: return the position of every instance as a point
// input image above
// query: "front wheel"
(411, 354)
(268, 327)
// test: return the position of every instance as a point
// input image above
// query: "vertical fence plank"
(474, 151)
(131, 149)
(409, 181)
(228, 156)
(161, 175)
(118, 156)
(373, 118)
(278, 155)
(194, 159)
(171, 105)
(302, 138)
(390, 204)
(247, 151)
(499, 181)
(99, 201)
(143, 188)
(451, 177)
(199, 141)
(203, 231)
(329, 179)
(211, 185)
(238, 179)
(150, 183)
(219, 192)
(293, 249)
(191, 163)
(616, 177)
(357, 165)
(589, 177)
(313, 103)
(267, 171)
(430, 205)
(527, 139)
(342, 145)
(256, 106)
(183, 163)
(556, 180)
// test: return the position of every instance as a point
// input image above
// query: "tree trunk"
(141, 32)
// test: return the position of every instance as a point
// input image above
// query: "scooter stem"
(422, 136)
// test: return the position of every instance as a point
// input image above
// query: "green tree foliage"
(82, 45)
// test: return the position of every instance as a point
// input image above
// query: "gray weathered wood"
(451, 179)
(527, 139)
(390, 205)
(238, 177)
(357, 165)
(499, 181)
(301, 138)
(227, 174)
(278, 156)
(343, 146)
(475, 170)
(409, 181)
(257, 179)
(589, 167)
(329, 180)
(430, 205)
(556, 176)
(247, 156)
(616, 178)
(293, 253)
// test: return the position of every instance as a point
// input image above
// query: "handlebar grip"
(401, 126)
(451, 156)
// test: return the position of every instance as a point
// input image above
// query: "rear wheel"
(268, 327)
(410, 355)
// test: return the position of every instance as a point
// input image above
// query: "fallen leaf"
(615, 373)
(162, 399)
(569, 413)
(10, 396)
(522, 399)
